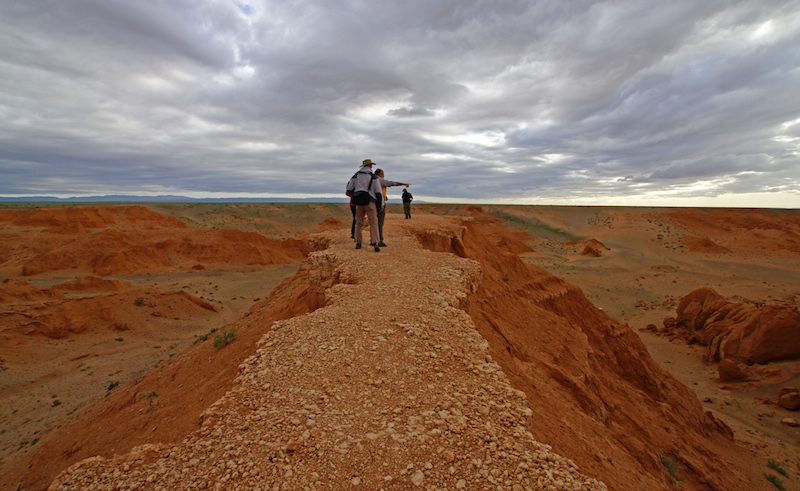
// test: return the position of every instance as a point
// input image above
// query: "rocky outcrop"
(595, 392)
(387, 386)
(14, 290)
(734, 330)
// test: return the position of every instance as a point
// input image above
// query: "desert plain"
(243, 345)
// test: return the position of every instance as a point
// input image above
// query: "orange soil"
(597, 396)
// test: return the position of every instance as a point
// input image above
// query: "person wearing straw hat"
(365, 188)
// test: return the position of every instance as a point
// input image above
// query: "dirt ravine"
(388, 386)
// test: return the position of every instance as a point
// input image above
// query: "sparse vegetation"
(138, 302)
(111, 386)
(205, 336)
(224, 338)
(150, 398)
(672, 466)
(774, 464)
(776, 481)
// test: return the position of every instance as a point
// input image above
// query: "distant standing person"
(385, 183)
(365, 188)
(407, 197)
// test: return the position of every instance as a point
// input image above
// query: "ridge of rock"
(388, 386)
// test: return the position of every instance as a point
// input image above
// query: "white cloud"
(467, 99)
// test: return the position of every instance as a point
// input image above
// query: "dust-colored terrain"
(106, 345)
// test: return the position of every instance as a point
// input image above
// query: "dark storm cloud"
(572, 102)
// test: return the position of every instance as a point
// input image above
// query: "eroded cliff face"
(596, 394)
(167, 402)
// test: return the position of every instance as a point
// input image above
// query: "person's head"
(367, 163)
(405, 190)
(379, 172)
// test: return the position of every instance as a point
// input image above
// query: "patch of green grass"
(138, 302)
(776, 481)
(774, 464)
(118, 340)
(224, 338)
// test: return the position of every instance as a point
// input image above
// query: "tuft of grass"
(672, 466)
(776, 481)
(224, 338)
(774, 464)
(111, 386)
(138, 302)
(205, 336)
(56, 403)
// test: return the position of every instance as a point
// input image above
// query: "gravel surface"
(387, 387)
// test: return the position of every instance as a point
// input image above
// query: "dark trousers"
(407, 209)
(381, 219)
(353, 227)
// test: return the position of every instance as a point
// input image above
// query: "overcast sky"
(640, 102)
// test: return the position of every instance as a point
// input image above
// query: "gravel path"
(387, 387)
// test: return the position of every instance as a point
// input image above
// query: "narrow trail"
(388, 386)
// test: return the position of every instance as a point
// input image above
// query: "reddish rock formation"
(13, 290)
(731, 330)
(123, 311)
(594, 390)
(118, 240)
(729, 371)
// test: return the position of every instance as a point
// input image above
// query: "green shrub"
(138, 302)
(774, 464)
(111, 386)
(224, 338)
(776, 481)
(205, 336)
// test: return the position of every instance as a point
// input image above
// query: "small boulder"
(789, 400)
(729, 371)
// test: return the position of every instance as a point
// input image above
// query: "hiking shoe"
(358, 246)
(377, 249)
(381, 244)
